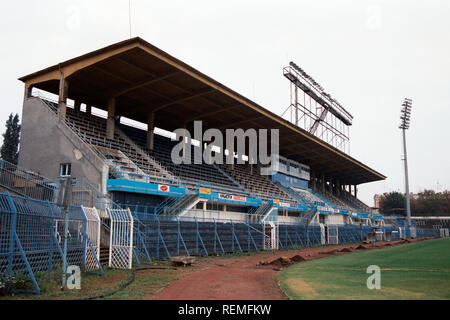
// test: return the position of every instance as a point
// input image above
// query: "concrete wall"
(334, 219)
(286, 219)
(213, 214)
(47, 142)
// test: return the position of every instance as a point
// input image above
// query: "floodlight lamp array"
(405, 114)
(314, 83)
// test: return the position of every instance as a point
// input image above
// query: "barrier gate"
(270, 236)
(333, 234)
(121, 238)
(93, 233)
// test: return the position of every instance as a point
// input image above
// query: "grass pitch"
(412, 271)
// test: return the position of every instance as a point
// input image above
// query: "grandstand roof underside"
(145, 79)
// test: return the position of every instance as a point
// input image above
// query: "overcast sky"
(369, 55)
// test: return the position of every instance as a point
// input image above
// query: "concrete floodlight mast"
(405, 117)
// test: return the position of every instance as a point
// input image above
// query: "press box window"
(65, 169)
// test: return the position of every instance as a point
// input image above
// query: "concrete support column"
(185, 144)
(110, 122)
(247, 153)
(331, 185)
(150, 132)
(77, 106)
(312, 180)
(338, 186)
(232, 157)
(28, 91)
(88, 109)
(356, 191)
(323, 183)
(62, 98)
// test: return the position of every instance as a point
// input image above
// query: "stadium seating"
(310, 198)
(255, 182)
(192, 174)
(93, 130)
(128, 153)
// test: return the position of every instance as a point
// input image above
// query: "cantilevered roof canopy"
(144, 79)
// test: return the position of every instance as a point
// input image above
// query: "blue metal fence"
(161, 237)
(31, 237)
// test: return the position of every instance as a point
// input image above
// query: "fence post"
(307, 234)
(12, 234)
(52, 233)
(232, 235)
(178, 238)
(286, 233)
(360, 232)
(26, 186)
(157, 237)
(130, 252)
(85, 238)
(248, 237)
(196, 235)
(215, 236)
(65, 201)
(263, 235)
(66, 230)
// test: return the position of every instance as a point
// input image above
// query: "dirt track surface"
(240, 278)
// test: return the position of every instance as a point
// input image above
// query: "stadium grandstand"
(135, 80)
(106, 120)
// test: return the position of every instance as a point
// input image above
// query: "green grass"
(412, 271)
(146, 283)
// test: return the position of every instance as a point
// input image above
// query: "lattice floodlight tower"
(315, 111)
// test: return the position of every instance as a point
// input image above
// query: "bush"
(18, 281)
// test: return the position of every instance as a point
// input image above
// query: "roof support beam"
(62, 97)
(169, 82)
(238, 123)
(111, 121)
(150, 130)
(158, 108)
(213, 113)
(143, 84)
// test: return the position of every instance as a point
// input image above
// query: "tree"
(429, 202)
(393, 203)
(11, 139)
(446, 196)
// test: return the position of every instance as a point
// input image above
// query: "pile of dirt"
(280, 262)
(388, 245)
(334, 251)
(361, 247)
(346, 250)
(297, 258)
(182, 261)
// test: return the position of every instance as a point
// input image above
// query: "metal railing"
(144, 178)
(25, 182)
